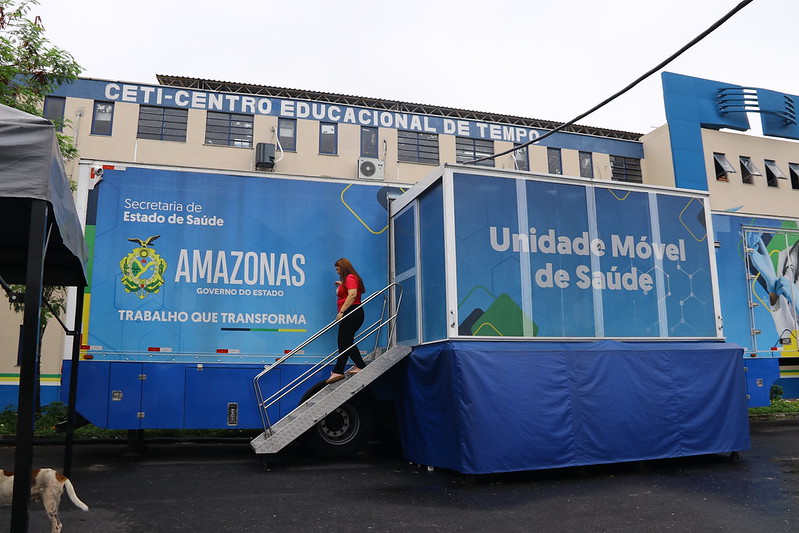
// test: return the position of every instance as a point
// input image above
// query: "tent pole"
(73, 381)
(23, 455)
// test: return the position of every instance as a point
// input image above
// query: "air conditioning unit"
(370, 168)
(264, 156)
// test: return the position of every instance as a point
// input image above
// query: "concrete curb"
(774, 417)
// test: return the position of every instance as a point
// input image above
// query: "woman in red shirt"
(348, 299)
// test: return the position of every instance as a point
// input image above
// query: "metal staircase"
(280, 434)
(324, 402)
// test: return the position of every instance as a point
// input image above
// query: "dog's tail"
(74, 497)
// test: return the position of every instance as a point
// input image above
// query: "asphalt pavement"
(223, 487)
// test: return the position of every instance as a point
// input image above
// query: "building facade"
(233, 127)
(217, 125)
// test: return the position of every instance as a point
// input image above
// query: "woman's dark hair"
(345, 268)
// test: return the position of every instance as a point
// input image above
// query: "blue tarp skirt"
(483, 407)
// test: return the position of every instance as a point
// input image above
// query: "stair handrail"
(374, 327)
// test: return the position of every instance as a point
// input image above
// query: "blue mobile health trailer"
(552, 321)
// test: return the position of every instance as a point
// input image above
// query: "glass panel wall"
(405, 274)
(432, 275)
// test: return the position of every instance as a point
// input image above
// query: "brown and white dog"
(46, 485)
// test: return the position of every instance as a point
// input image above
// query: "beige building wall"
(538, 159)
(123, 146)
(602, 170)
(505, 161)
(657, 165)
(757, 198)
(52, 346)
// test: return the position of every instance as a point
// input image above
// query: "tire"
(343, 432)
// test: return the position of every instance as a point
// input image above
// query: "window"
(722, 167)
(625, 169)
(586, 165)
(368, 141)
(287, 134)
(54, 110)
(328, 138)
(773, 173)
(162, 123)
(415, 147)
(467, 150)
(793, 168)
(748, 169)
(102, 118)
(228, 129)
(554, 163)
(521, 158)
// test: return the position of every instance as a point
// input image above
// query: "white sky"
(545, 59)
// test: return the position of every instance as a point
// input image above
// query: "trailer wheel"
(344, 431)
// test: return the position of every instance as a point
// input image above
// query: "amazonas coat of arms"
(143, 269)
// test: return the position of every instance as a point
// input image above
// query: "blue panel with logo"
(540, 258)
(193, 267)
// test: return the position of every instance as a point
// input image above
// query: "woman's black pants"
(353, 319)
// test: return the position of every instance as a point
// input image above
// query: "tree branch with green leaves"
(30, 66)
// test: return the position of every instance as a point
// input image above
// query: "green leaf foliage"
(30, 67)
(778, 406)
(55, 295)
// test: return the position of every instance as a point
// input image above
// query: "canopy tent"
(31, 169)
(41, 243)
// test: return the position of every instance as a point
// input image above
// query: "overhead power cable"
(644, 76)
